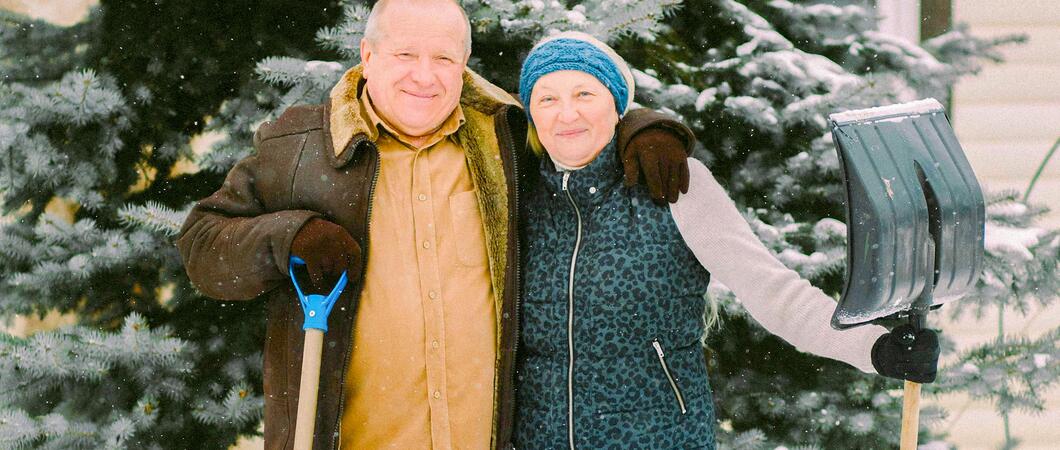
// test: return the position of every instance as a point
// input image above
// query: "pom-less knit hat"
(574, 50)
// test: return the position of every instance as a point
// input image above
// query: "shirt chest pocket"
(468, 235)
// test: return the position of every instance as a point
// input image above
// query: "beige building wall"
(62, 12)
(1007, 118)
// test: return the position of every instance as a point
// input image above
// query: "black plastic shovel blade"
(915, 212)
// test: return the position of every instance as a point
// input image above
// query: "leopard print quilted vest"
(611, 317)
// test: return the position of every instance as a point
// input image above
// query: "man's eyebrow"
(447, 52)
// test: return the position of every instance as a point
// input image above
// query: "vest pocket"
(669, 376)
(467, 230)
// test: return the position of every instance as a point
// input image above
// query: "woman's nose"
(568, 113)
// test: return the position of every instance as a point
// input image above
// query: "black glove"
(907, 354)
(327, 250)
(661, 155)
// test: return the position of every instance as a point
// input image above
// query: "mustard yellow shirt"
(422, 369)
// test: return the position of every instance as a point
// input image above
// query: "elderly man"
(409, 178)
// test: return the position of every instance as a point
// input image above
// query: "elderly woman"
(613, 307)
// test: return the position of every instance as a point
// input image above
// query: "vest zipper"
(364, 268)
(570, 317)
(673, 385)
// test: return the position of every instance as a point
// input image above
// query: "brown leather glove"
(327, 249)
(661, 155)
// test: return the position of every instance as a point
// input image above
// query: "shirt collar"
(449, 126)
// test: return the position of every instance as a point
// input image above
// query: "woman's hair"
(533, 142)
(710, 317)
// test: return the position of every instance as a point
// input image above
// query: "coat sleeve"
(231, 246)
(778, 298)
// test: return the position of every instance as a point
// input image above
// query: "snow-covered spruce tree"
(94, 119)
(754, 79)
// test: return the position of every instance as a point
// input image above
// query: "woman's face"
(574, 114)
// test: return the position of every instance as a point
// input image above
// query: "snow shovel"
(915, 221)
(316, 308)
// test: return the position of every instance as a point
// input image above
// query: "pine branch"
(346, 37)
(1013, 372)
(641, 19)
(238, 407)
(153, 217)
(291, 72)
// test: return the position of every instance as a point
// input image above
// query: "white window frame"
(900, 18)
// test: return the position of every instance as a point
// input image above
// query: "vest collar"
(587, 184)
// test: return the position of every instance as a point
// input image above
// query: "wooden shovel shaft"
(910, 415)
(307, 390)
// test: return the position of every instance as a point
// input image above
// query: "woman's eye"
(584, 94)
(546, 99)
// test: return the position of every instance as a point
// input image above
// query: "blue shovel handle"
(316, 307)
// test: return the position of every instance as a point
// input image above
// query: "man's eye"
(404, 55)
(445, 59)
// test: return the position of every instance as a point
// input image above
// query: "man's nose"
(422, 73)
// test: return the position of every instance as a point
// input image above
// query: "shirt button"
(422, 197)
(437, 394)
(592, 190)
(426, 244)
(432, 294)
(434, 344)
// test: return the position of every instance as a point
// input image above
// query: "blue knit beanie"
(574, 50)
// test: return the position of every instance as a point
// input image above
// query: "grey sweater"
(776, 297)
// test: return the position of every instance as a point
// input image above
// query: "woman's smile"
(572, 133)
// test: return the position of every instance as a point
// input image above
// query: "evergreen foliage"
(96, 120)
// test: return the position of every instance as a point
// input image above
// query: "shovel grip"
(910, 415)
(307, 390)
(316, 307)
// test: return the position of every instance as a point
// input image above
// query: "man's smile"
(420, 96)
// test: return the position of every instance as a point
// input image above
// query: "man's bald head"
(374, 31)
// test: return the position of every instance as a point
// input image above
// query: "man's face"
(414, 74)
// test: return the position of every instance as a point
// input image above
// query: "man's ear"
(366, 54)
